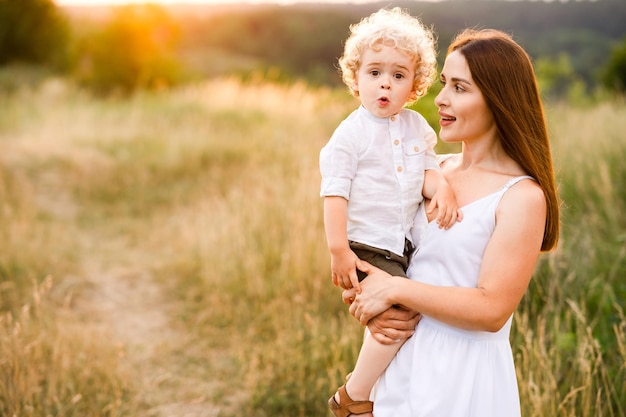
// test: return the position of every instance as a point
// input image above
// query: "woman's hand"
(350, 293)
(393, 325)
(372, 300)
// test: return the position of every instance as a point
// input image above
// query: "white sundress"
(445, 371)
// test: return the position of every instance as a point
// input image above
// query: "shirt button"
(396, 142)
(399, 169)
(416, 149)
(393, 118)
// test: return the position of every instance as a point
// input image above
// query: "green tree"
(32, 32)
(614, 74)
(557, 78)
(134, 50)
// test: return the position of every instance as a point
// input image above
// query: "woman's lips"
(446, 119)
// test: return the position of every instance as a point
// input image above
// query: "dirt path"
(124, 302)
(117, 297)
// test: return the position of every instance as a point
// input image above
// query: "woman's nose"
(439, 99)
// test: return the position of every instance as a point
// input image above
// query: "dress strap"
(515, 180)
(499, 194)
(442, 158)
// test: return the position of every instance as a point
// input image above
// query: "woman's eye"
(458, 88)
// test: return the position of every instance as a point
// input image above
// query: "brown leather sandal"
(347, 406)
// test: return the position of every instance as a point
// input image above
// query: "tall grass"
(570, 327)
(211, 191)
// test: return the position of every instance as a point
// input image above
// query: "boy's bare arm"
(343, 260)
(437, 189)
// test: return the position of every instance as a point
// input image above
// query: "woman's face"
(462, 107)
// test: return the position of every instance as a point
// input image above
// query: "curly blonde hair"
(394, 27)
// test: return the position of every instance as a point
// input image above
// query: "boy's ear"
(355, 86)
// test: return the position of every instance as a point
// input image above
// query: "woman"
(467, 281)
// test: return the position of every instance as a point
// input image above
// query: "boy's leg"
(374, 357)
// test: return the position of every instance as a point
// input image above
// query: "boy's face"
(385, 80)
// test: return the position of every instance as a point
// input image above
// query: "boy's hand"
(448, 211)
(343, 266)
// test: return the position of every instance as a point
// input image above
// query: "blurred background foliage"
(34, 32)
(579, 47)
(132, 49)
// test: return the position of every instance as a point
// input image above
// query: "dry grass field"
(163, 255)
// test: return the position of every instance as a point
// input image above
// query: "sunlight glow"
(120, 2)
(94, 3)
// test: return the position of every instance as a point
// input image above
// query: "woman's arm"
(507, 266)
(391, 325)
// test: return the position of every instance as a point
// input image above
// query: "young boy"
(376, 170)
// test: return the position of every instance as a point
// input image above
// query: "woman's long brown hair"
(504, 73)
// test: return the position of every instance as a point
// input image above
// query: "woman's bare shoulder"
(524, 195)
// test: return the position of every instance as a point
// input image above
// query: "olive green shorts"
(381, 258)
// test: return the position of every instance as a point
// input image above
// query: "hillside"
(305, 39)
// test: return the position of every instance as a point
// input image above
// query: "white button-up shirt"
(378, 165)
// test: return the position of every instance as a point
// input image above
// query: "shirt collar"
(366, 113)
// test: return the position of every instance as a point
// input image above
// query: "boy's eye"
(375, 73)
(398, 76)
